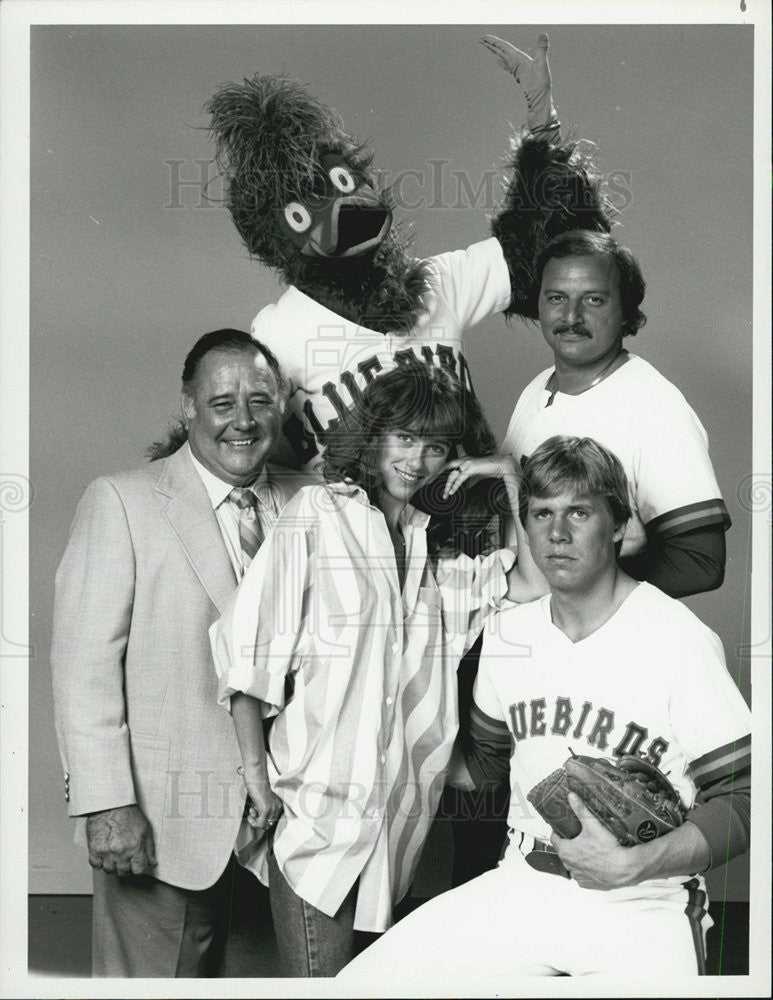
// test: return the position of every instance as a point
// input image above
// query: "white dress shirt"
(269, 504)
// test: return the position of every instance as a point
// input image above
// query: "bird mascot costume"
(306, 201)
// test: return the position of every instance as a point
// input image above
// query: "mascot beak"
(349, 226)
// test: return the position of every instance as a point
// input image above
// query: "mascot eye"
(342, 179)
(298, 217)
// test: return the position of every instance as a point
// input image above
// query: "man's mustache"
(576, 328)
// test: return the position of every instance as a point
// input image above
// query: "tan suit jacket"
(144, 575)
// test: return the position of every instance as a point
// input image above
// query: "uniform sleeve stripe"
(483, 726)
(693, 515)
(500, 741)
(721, 764)
(692, 524)
(735, 746)
(728, 760)
(722, 769)
(737, 775)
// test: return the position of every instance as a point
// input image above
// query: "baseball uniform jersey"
(330, 360)
(645, 420)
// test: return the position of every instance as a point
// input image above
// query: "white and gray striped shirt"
(362, 680)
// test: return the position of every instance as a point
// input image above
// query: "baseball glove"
(631, 797)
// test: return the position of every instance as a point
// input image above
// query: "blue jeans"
(309, 942)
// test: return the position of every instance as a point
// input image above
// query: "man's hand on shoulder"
(120, 841)
(594, 857)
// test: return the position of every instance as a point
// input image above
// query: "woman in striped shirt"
(347, 631)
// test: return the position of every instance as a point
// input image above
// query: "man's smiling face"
(233, 413)
(580, 311)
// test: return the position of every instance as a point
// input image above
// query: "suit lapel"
(190, 515)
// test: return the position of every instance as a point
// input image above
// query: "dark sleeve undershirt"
(722, 810)
(681, 565)
(487, 750)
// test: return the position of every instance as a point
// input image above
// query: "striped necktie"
(250, 531)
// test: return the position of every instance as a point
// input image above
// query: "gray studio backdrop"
(130, 262)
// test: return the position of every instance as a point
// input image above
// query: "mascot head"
(297, 183)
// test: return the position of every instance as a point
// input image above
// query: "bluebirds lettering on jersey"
(307, 437)
(595, 724)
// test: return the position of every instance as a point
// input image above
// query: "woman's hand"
(265, 807)
(499, 466)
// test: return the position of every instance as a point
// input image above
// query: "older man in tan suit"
(152, 767)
